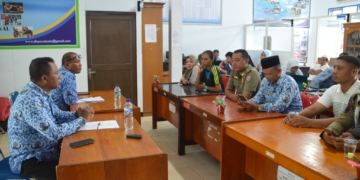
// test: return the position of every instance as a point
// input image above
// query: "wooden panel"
(151, 52)
(111, 51)
(112, 154)
(300, 150)
(107, 105)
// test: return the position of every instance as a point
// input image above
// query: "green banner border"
(54, 46)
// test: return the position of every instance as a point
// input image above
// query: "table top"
(181, 90)
(292, 147)
(232, 112)
(105, 106)
(110, 144)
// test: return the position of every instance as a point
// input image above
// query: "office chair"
(5, 172)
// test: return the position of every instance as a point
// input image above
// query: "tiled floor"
(196, 164)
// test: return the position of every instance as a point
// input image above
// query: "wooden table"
(112, 156)
(107, 105)
(255, 149)
(200, 122)
(166, 96)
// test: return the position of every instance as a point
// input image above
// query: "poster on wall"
(277, 10)
(39, 24)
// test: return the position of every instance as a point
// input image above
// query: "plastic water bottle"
(128, 113)
(117, 96)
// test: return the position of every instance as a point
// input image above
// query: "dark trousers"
(38, 169)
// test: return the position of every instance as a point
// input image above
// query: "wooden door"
(111, 52)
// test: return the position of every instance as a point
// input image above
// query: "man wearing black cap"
(278, 92)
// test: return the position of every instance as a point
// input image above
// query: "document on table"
(108, 124)
(91, 99)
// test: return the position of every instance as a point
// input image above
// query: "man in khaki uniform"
(345, 126)
(244, 78)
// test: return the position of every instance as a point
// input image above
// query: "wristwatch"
(205, 88)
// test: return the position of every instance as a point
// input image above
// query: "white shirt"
(193, 76)
(317, 67)
(336, 98)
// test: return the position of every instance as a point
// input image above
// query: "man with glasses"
(66, 94)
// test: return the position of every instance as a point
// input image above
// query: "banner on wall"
(277, 10)
(39, 24)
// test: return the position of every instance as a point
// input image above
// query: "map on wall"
(38, 24)
(196, 11)
(277, 10)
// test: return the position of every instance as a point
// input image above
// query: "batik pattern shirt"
(66, 94)
(282, 97)
(324, 79)
(36, 125)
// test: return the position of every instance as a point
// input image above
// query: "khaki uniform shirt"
(349, 118)
(247, 80)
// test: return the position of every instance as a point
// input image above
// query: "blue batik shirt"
(282, 97)
(36, 125)
(324, 79)
(66, 94)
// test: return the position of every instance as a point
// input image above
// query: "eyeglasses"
(77, 57)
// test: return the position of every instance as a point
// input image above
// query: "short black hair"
(66, 57)
(216, 51)
(210, 54)
(354, 61)
(229, 54)
(39, 67)
(343, 54)
(244, 53)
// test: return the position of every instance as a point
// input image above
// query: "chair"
(5, 172)
(308, 100)
(13, 97)
(225, 80)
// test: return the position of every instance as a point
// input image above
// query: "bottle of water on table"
(128, 115)
(117, 96)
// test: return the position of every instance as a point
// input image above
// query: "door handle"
(90, 72)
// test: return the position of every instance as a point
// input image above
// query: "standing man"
(278, 92)
(345, 73)
(66, 94)
(36, 124)
(244, 78)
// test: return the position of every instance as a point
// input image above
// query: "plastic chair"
(5, 172)
(308, 99)
(225, 80)
(13, 97)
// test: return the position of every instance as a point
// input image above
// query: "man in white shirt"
(345, 73)
(318, 68)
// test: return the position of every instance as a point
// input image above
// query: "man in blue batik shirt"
(278, 92)
(36, 124)
(66, 94)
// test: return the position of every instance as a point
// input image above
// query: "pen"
(98, 126)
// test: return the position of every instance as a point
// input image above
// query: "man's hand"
(327, 138)
(249, 105)
(87, 113)
(299, 121)
(347, 135)
(234, 97)
(338, 142)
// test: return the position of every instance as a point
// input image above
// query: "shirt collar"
(355, 85)
(247, 69)
(37, 89)
(63, 69)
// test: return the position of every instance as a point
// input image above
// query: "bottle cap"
(128, 100)
(117, 85)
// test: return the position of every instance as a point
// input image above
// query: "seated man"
(225, 65)
(66, 94)
(346, 126)
(244, 78)
(345, 73)
(36, 124)
(278, 92)
(318, 68)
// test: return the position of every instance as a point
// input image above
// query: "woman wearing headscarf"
(191, 72)
(292, 68)
(266, 53)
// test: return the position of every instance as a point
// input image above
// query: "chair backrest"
(13, 97)
(308, 99)
(225, 80)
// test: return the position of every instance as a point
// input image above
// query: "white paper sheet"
(91, 99)
(108, 124)
(150, 33)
